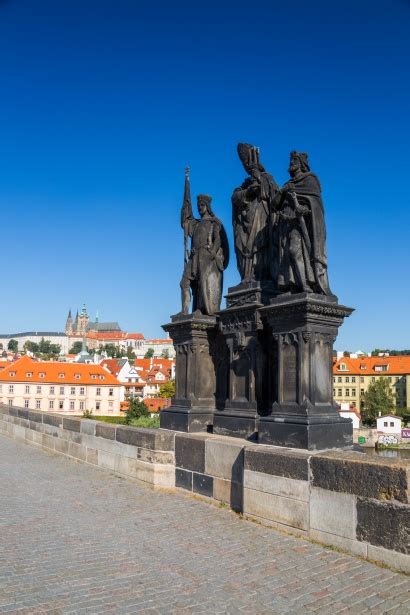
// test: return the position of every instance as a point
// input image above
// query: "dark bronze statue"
(207, 258)
(300, 230)
(250, 215)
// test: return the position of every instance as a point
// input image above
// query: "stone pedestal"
(241, 328)
(194, 404)
(302, 329)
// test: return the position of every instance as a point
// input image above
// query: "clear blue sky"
(103, 103)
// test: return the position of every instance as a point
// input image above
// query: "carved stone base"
(236, 424)
(310, 434)
(303, 329)
(185, 419)
(194, 338)
(241, 332)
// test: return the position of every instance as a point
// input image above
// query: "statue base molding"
(194, 338)
(302, 329)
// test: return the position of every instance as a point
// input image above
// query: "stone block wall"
(347, 500)
(143, 454)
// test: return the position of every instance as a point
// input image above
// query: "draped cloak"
(308, 192)
(250, 224)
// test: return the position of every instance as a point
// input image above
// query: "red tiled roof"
(57, 373)
(368, 366)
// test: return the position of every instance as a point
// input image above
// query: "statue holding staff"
(207, 257)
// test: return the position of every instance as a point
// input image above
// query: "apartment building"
(60, 387)
(353, 376)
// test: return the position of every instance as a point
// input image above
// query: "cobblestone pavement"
(75, 539)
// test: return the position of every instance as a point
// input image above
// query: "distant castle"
(82, 324)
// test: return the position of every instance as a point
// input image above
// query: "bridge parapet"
(347, 500)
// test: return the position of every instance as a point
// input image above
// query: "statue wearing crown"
(251, 217)
(208, 256)
(298, 207)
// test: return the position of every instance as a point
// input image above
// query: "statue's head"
(298, 163)
(249, 156)
(204, 204)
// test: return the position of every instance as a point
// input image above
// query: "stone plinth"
(241, 329)
(302, 330)
(194, 404)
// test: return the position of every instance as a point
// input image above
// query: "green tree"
(378, 398)
(31, 346)
(167, 389)
(13, 345)
(136, 409)
(130, 353)
(76, 348)
(149, 354)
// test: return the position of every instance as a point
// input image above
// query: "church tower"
(69, 324)
(83, 320)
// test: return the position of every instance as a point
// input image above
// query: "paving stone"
(75, 539)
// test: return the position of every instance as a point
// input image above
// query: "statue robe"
(308, 191)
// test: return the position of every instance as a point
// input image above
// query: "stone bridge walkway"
(74, 539)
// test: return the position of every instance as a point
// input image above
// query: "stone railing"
(347, 500)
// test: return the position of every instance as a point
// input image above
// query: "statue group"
(279, 235)
(261, 367)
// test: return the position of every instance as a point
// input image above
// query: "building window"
(339, 378)
(82, 390)
(77, 376)
(361, 378)
(334, 393)
(93, 377)
(353, 378)
(347, 393)
(334, 379)
(353, 392)
(71, 405)
(347, 379)
(98, 391)
(339, 392)
(27, 388)
(72, 391)
(101, 377)
(61, 375)
(26, 403)
(343, 367)
(11, 388)
(97, 405)
(10, 402)
(29, 374)
(385, 424)
(61, 404)
(51, 390)
(381, 368)
(41, 375)
(361, 391)
(373, 379)
(81, 405)
(12, 373)
(110, 404)
(61, 390)
(51, 404)
(38, 389)
(111, 392)
(38, 404)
